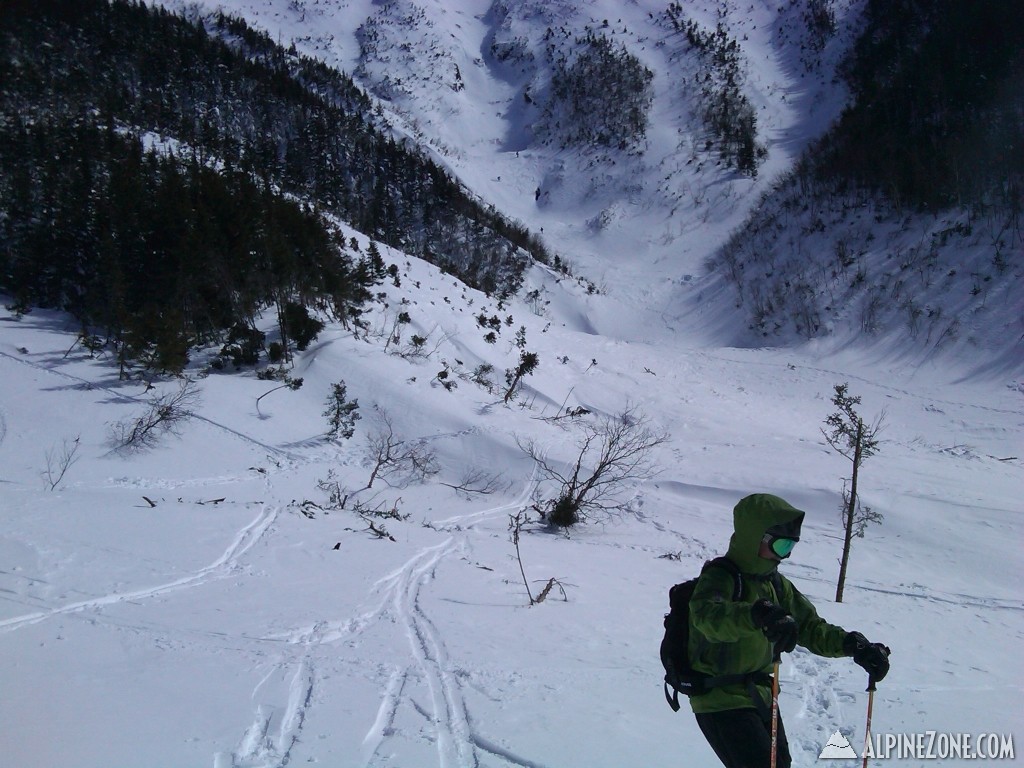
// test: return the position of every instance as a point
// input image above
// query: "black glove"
(778, 626)
(874, 657)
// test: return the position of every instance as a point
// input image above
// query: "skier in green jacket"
(729, 637)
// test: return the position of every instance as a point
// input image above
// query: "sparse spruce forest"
(729, 119)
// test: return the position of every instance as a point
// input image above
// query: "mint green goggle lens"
(782, 547)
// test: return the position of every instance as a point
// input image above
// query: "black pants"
(742, 739)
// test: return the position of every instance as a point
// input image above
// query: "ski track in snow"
(275, 728)
(269, 740)
(872, 383)
(86, 384)
(921, 592)
(458, 744)
(224, 565)
(820, 701)
(449, 713)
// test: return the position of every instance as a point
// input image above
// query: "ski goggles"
(780, 545)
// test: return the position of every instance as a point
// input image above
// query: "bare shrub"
(611, 453)
(396, 461)
(164, 414)
(372, 512)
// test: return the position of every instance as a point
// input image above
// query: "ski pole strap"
(673, 700)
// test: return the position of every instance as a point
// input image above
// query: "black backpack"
(680, 676)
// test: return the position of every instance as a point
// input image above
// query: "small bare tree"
(849, 436)
(58, 462)
(392, 457)
(164, 414)
(515, 527)
(394, 334)
(289, 383)
(611, 453)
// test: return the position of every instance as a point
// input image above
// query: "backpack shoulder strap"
(776, 580)
(728, 565)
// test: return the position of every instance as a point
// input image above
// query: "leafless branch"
(59, 462)
(165, 414)
(477, 480)
(394, 460)
(515, 526)
(552, 582)
(611, 453)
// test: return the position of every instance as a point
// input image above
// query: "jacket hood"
(751, 518)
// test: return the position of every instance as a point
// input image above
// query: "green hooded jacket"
(723, 638)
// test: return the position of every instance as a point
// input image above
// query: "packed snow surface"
(205, 602)
(176, 607)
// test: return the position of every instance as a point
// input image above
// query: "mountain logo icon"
(838, 748)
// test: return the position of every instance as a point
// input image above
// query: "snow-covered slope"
(204, 602)
(200, 603)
